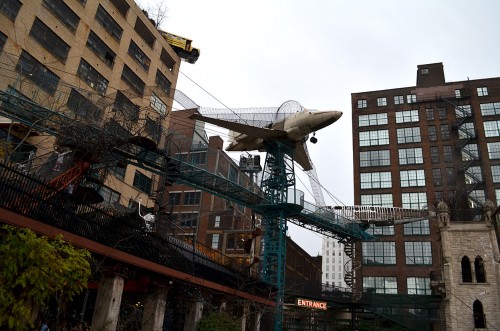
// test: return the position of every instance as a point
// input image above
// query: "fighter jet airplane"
(290, 123)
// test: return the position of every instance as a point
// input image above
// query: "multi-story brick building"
(414, 147)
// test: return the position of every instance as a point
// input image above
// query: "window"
(373, 119)
(478, 313)
(192, 198)
(82, 106)
(495, 173)
(445, 132)
(383, 285)
(110, 196)
(108, 23)
(432, 133)
(411, 178)
(482, 91)
(399, 100)
(188, 219)
(143, 31)
(429, 114)
(162, 82)
(174, 198)
(381, 101)
(458, 93)
(434, 155)
(409, 135)
(410, 156)
(425, 71)
(158, 105)
(92, 77)
(121, 5)
(467, 130)
(473, 175)
(470, 152)
(198, 158)
(381, 230)
(217, 221)
(362, 103)
(129, 77)
(376, 180)
(118, 172)
(125, 107)
(215, 241)
(417, 228)
(411, 98)
(490, 108)
(463, 111)
(142, 182)
(442, 113)
(138, 55)
(63, 13)
(450, 176)
(414, 200)
(466, 270)
(10, 8)
(477, 195)
(492, 129)
(448, 156)
(418, 252)
(3, 40)
(99, 47)
(372, 138)
(419, 285)
(153, 129)
(497, 195)
(407, 116)
(479, 270)
(494, 150)
(382, 200)
(36, 72)
(436, 177)
(376, 253)
(374, 158)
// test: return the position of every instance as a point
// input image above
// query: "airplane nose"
(325, 118)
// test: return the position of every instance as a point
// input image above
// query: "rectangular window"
(492, 128)
(466, 130)
(158, 105)
(381, 102)
(36, 72)
(482, 91)
(411, 98)
(188, 219)
(407, 116)
(497, 194)
(10, 8)
(192, 198)
(470, 152)
(448, 156)
(477, 195)
(411, 178)
(129, 77)
(162, 82)
(399, 100)
(463, 111)
(373, 119)
(174, 198)
(143, 31)
(110, 196)
(101, 49)
(442, 113)
(417, 228)
(152, 128)
(126, 108)
(432, 133)
(445, 132)
(434, 155)
(495, 172)
(372, 180)
(409, 135)
(362, 103)
(377, 253)
(138, 55)
(494, 150)
(473, 175)
(82, 106)
(3, 40)
(108, 23)
(217, 221)
(374, 158)
(92, 77)
(436, 177)
(49, 40)
(118, 172)
(198, 158)
(429, 113)
(450, 176)
(215, 241)
(414, 200)
(63, 13)
(380, 230)
(142, 182)
(121, 5)
(418, 252)
(488, 109)
(410, 156)
(382, 200)
(419, 285)
(373, 138)
(458, 93)
(382, 285)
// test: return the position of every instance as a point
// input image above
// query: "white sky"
(261, 53)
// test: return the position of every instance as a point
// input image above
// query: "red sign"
(311, 304)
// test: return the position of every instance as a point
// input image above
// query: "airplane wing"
(246, 129)
(301, 155)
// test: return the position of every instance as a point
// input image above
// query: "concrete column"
(246, 310)
(255, 321)
(154, 310)
(107, 305)
(193, 316)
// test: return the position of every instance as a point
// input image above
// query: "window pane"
(419, 285)
(382, 200)
(372, 138)
(101, 49)
(133, 80)
(384, 285)
(407, 116)
(36, 72)
(410, 156)
(408, 135)
(374, 158)
(492, 129)
(108, 23)
(490, 108)
(417, 228)
(411, 178)
(414, 200)
(376, 253)
(376, 180)
(63, 13)
(92, 77)
(10, 8)
(373, 119)
(418, 252)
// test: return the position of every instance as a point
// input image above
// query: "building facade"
(414, 147)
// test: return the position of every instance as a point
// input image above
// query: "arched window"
(479, 269)
(466, 270)
(479, 318)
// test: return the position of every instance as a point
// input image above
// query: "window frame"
(418, 253)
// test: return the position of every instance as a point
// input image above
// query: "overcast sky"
(261, 53)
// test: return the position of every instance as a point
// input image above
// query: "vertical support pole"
(193, 316)
(107, 306)
(154, 310)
